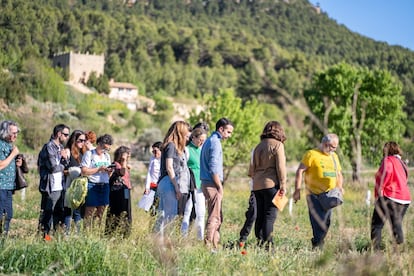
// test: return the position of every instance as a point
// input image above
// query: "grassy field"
(347, 250)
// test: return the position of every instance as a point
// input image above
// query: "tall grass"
(347, 249)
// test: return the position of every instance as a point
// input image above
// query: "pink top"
(395, 179)
(125, 174)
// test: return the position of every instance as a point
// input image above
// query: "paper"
(146, 201)
(280, 201)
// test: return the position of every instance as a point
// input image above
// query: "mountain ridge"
(178, 49)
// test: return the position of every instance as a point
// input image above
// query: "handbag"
(76, 194)
(20, 180)
(331, 198)
(116, 183)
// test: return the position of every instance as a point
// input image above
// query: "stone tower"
(79, 66)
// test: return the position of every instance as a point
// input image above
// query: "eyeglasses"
(66, 134)
(332, 147)
(81, 141)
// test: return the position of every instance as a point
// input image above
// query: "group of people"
(191, 175)
(186, 171)
(68, 156)
(64, 158)
(321, 169)
(323, 172)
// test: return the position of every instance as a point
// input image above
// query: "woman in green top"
(198, 136)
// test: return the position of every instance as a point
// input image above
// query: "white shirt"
(153, 172)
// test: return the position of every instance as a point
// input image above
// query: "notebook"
(280, 201)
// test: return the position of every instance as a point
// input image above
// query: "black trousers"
(266, 215)
(52, 204)
(119, 216)
(182, 201)
(386, 209)
(251, 215)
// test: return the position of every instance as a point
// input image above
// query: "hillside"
(184, 50)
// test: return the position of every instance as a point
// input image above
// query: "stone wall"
(80, 66)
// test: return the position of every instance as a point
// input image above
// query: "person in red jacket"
(392, 195)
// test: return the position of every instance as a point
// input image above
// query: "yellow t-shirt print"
(321, 174)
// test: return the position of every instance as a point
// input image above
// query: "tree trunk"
(357, 160)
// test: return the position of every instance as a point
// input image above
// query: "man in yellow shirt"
(322, 173)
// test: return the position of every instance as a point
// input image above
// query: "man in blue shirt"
(211, 175)
(8, 152)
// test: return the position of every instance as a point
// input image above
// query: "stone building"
(125, 92)
(79, 66)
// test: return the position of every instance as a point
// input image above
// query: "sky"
(388, 21)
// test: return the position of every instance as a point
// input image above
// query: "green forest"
(267, 51)
(250, 60)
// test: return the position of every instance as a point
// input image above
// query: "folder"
(280, 200)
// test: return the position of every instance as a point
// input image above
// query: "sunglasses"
(66, 134)
(81, 140)
(106, 147)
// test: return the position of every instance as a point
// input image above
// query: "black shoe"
(317, 245)
(230, 245)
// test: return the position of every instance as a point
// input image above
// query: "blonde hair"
(177, 134)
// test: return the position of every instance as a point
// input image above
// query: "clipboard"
(280, 201)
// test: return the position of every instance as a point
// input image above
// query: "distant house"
(79, 66)
(125, 92)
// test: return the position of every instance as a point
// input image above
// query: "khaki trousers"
(215, 217)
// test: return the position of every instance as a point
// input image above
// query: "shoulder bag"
(333, 197)
(20, 180)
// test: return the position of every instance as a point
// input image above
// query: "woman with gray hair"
(8, 153)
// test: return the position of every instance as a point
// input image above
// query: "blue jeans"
(72, 214)
(168, 205)
(6, 208)
(320, 220)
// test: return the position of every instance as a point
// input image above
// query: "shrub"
(12, 89)
(42, 82)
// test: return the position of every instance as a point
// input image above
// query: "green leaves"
(247, 118)
(364, 107)
(43, 82)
